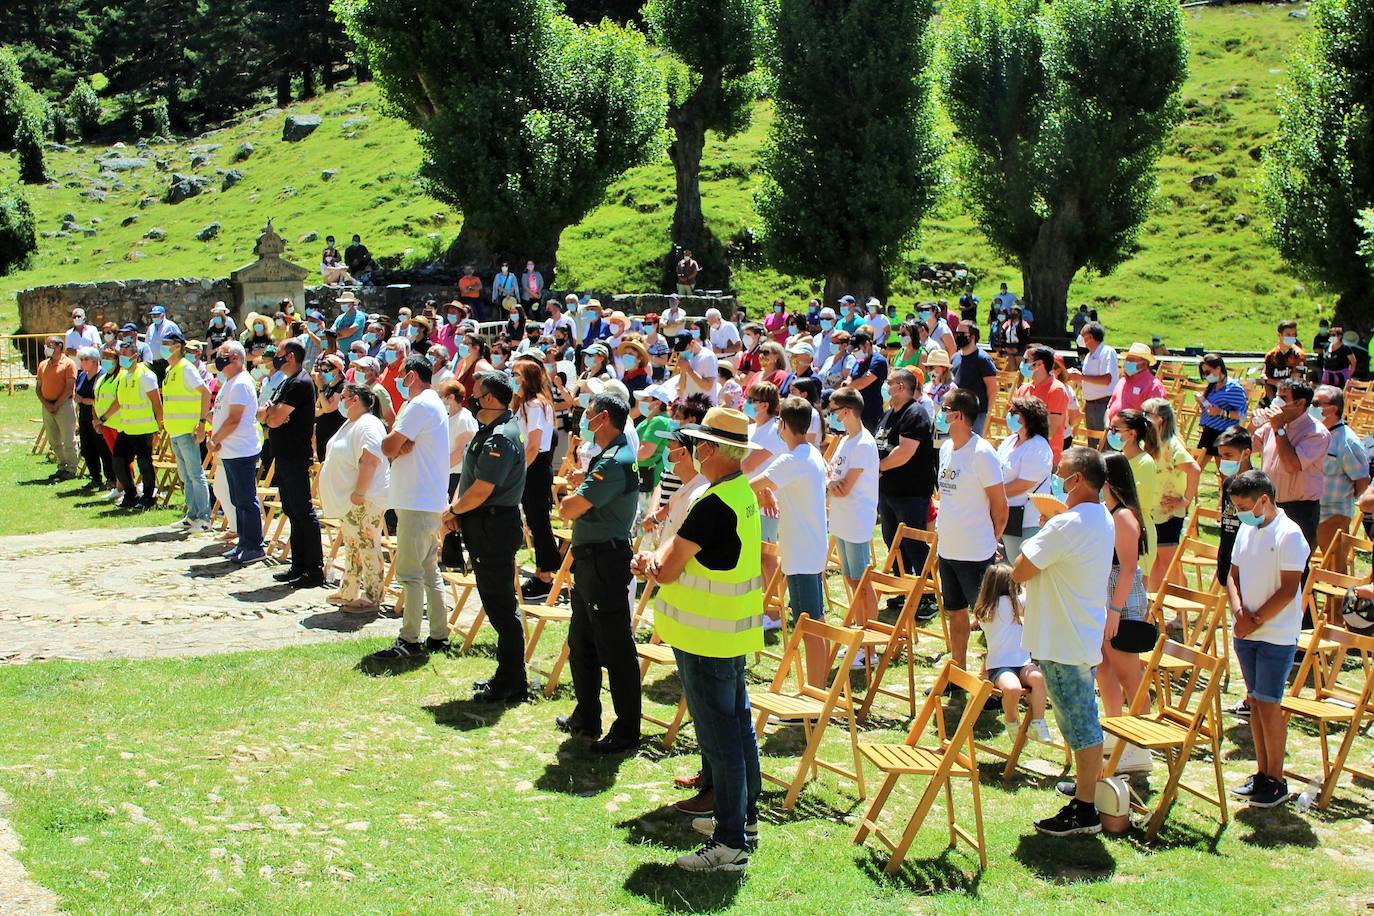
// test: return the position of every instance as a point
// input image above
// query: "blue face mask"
(432, 360)
(166, 351)
(1315, 413)
(844, 310)
(402, 390)
(1026, 370)
(696, 333)
(1253, 519)
(1130, 368)
(497, 360)
(584, 401)
(751, 410)
(412, 333)
(777, 310)
(343, 408)
(369, 339)
(107, 365)
(451, 319)
(887, 392)
(827, 324)
(1214, 378)
(217, 322)
(835, 423)
(584, 429)
(941, 423)
(328, 377)
(389, 356)
(1228, 468)
(628, 361)
(1290, 341)
(1013, 423)
(673, 425)
(923, 316)
(1058, 489)
(126, 361)
(1114, 441)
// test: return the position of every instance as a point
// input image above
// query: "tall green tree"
(1319, 171)
(852, 159)
(714, 45)
(525, 118)
(1061, 111)
(145, 49)
(52, 40)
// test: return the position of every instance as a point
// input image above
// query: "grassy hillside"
(1204, 275)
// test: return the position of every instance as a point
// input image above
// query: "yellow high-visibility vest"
(105, 397)
(135, 409)
(180, 405)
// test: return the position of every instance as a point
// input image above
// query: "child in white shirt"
(997, 612)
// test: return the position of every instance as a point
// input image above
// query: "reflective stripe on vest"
(180, 406)
(135, 410)
(718, 613)
(105, 398)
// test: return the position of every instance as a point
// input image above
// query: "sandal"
(359, 606)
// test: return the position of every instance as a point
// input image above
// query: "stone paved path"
(19, 895)
(153, 592)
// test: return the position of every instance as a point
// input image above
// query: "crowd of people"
(698, 440)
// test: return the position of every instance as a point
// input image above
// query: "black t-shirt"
(295, 437)
(969, 374)
(1337, 360)
(872, 393)
(917, 476)
(714, 527)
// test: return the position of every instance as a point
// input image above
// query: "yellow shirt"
(1172, 476)
(1147, 489)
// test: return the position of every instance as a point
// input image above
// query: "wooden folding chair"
(1195, 565)
(953, 756)
(892, 637)
(1185, 722)
(927, 576)
(775, 599)
(652, 653)
(1331, 588)
(812, 705)
(1204, 616)
(536, 617)
(1331, 703)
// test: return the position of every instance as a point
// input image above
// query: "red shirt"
(1056, 399)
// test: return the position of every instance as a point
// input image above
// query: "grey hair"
(368, 364)
(1160, 407)
(402, 343)
(731, 452)
(1335, 395)
(234, 350)
(88, 353)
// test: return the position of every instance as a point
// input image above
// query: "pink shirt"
(1132, 391)
(449, 335)
(775, 323)
(1309, 440)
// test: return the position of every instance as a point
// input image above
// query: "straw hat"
(723, 426)
(937, 357)
(346, 298)
(1141, 351)
(632, 346)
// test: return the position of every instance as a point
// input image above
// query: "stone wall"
(188, 301)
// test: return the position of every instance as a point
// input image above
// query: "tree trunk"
(1047, 269)
(284, 87)
(327, 69)
(307, 82)
(861, 279)
(688, 122)
(484, 247)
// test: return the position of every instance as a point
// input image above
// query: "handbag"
(1016, 515)
(1135, 636)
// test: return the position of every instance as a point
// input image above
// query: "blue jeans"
(242, 474)
(192, 474)
(719, 704)
(806, 592)
(915, 512)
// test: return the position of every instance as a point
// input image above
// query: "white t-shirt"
(419, 480)
(1030, 460)
(672, 321)
(245, 440)
(462, 426)
(88, 336)
(799, 476)
(1003, 634)
(678, 504)
(1259, 556)
(723, 335)
(880, 325)
(1101, 361)
(343, 455)
(766, 436)
(536, 416)
(703, 364)
(852, 516)
(1066, 601)
(964, 524)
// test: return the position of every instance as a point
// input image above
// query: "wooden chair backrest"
(893, 562)
(872, 576)
(961, 741)
(835, 638)
(1199, 626)
(1195, 701)
(1320, 576)
(1322, 670)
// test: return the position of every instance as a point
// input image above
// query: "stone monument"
(260, 286)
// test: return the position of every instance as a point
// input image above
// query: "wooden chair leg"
(551, 686)
(1018, 744)
(870, 819)
(671, 735)
(918, 818)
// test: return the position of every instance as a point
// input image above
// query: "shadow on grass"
(338, 621)
(1065, 860)
(926, 877)
(665, 826)
(678, 891)
(1271, 828)
(389, 668)
(215, 570)
(265, 594)
(467, 715)
(578, 770)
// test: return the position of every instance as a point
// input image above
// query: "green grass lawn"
(289, 781)
(1203, 274)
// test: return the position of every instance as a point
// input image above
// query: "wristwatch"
(1281, 432)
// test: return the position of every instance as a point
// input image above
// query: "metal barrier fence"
(20, 355)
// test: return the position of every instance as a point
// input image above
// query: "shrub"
(83, 107)
(17, 238)
(29, 135)
(162, 120)
(12, 90)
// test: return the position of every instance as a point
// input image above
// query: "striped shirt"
(1346, 464)
(1228, 397)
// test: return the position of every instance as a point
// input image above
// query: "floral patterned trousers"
(361, 530)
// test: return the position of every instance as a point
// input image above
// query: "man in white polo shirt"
(725, 340)
(1098, 375)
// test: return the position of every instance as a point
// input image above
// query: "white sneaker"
(1040, 731)
(707, 827)
(714, 857)
(771, 623)
(114, 494)
(859, 660)
(184, 522)
(197, 525)
(1135, 759)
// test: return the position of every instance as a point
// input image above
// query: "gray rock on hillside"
(298, 127)
(243, 152)
(121, 164)
(209, 232)
(185, 186)
(231, 178)
(157, 234)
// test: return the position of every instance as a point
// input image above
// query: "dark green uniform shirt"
(612, 487)
(496, 455)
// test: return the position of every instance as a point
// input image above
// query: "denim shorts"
(854, 557)
(1265, 667)
(995, 673)
(1072, 690)
(805, 594)
(768, 529)
(960, 582)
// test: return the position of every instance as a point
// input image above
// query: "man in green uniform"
(486, 506)
(602, 511)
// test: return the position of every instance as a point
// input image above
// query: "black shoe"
(436, 645)
(895, 603)
(951, 691)
(566, 724)
(508, 696)
(1269, 793)
(535, 589)
(399, 651)
(128, 503)
(313, 580)
(146, 502)
(1074, 819)
(1247, 788)
(926, 613)
(1241, 710)
(616, 744)
(286, 575)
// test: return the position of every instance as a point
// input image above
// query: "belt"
(1105, 397)
(612, 544)
(491, 510)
